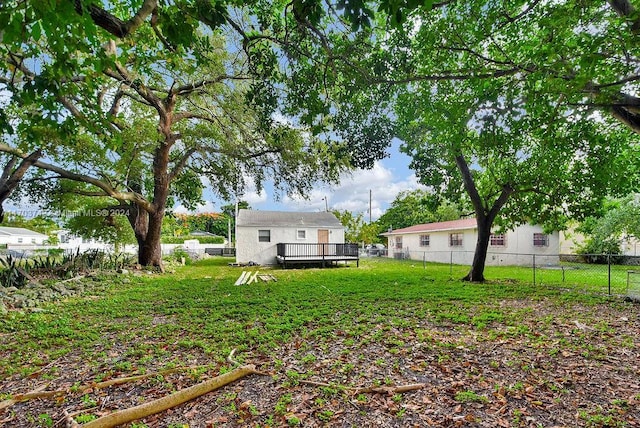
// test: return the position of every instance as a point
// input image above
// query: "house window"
(455, 239)
(302, 234)
(540, 240)
(264, 236)
(33, 240)
(19, 240)
(424, 240)
(497, 240)
(398, 243)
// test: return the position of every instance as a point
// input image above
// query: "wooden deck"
(322, 254)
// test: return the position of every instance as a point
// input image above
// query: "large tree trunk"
(476, 273)
(486, 213)
(150, 249)
(147, 229)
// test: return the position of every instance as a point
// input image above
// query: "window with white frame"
(424, 240)
(302, 234)
(455, 239)
(540, 240)
(19, 240)
(497, 240)
(398, 245)
(264, 235)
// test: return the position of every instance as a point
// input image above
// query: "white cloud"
(385, 180)
(352, 194)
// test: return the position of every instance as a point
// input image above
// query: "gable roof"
(287, 218)
(462, 224)
(20, 231)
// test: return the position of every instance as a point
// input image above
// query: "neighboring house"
(72, 243)
(21, 237)
(571, 241)
(258, 234)
(455, 241)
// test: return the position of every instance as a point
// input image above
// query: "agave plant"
(12, 275)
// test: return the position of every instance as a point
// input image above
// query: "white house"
(455, 241)
(258, 233)
(71, 243)
(21, 237)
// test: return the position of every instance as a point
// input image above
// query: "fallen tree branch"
(39, 393)
(172, 400)
(369, 389)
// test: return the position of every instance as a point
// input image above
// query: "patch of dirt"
(557, 367)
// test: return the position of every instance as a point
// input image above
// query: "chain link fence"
(610, 274)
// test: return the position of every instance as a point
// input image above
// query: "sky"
(385, 180)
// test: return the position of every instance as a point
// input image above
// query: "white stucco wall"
(23, 240)
(518, 249)
(249, 249)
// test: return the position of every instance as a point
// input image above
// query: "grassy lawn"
(504, 353)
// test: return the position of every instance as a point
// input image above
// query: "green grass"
(199, 310)
(385, 323)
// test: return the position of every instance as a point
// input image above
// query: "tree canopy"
(518, 103)
(619, 224)
(417, 207)
(143, 109)
(527, 107)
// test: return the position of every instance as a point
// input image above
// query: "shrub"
(201, 239)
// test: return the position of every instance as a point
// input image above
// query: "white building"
(258, 233)
(21, 237)
(455, 241)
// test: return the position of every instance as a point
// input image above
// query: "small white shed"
(258, 233)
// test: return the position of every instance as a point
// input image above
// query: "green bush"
(180, 253)
(201, 239)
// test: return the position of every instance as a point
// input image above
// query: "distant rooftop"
(20, 231)
(462, 224)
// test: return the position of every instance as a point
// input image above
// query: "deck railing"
(317, 251)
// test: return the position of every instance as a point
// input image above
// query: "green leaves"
(357, 12)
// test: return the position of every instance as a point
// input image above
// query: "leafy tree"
(517, 104)
(40, 223)
(93, 221)
(620, 222)
(214, 223)
(138, 109)
(370, 233)
(353, 225)
(417, 207)
(501, 105)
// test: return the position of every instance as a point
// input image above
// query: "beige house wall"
(519, 247)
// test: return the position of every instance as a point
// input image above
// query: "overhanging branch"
(112, 23)
(133, 197)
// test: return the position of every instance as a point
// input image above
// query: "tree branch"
(179, 166)
(11, 177)
(112, 23)
(136, 198)
(625, 9)
(470, 186)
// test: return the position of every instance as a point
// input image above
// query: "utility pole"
(369, 206)
(326, 204)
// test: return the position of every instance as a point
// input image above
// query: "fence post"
(534, 269)
(451, 263)
(424, 260)
(609, 263)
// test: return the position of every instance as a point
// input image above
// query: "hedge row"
(201, 239)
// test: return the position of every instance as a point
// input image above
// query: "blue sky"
(385, 180)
